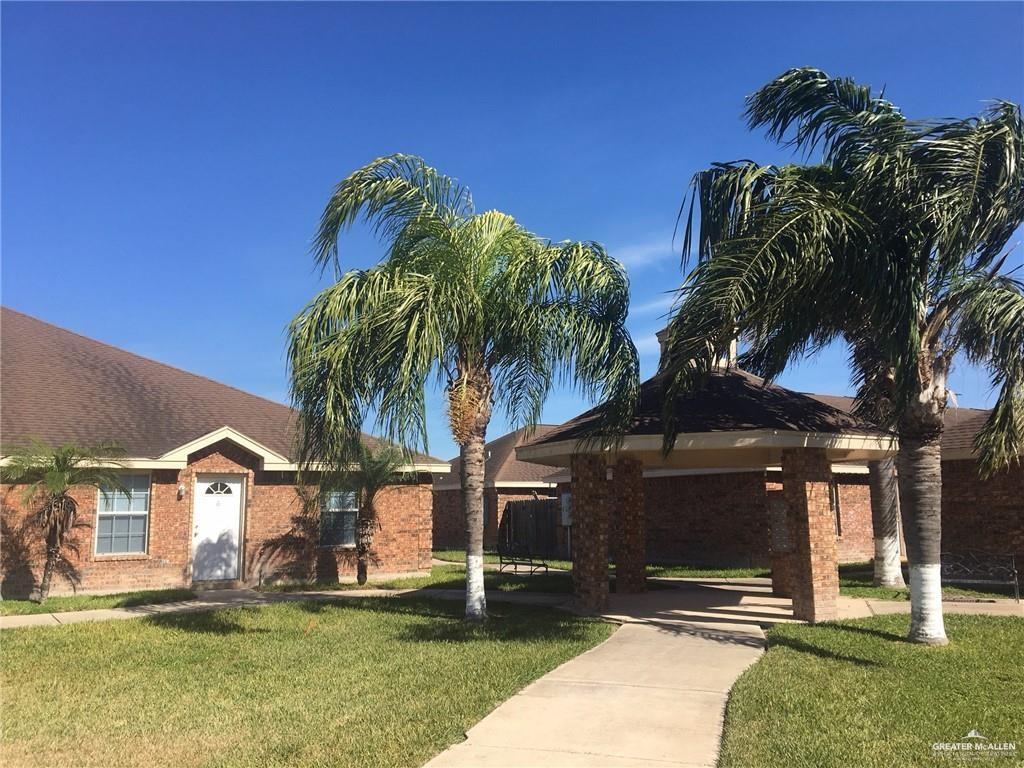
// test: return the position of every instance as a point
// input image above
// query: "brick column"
(590, 532)
(631, 547)
(780, 544)
(805, 479)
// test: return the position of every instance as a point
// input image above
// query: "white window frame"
(354, 509)
(100, 513)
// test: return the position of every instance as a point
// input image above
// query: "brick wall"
(719, 519)
(449, 521)
(983, 515)
(22, 551)
(856, 542)
(713, 519)
(280, 533)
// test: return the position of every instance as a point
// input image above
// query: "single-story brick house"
(211, 470)
(506, 479)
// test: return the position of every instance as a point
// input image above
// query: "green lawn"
(855, 693)
(450, 577)
(459, 556)
(706, 572)
(855, 580)
(692, 571)
(367, 682)
(454, 577)
(89, 602)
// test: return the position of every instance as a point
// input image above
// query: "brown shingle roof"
(501, 464)
(732, 400)
(961, 425)
(61, 387)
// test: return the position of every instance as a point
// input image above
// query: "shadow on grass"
(891, 636)
(796, 644)
(155, 597)
(445, 621)
(214, 622)
(499, 627)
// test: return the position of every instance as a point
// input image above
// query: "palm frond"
(391, 192)
(987, 324)
(834, 113)
(473, 302)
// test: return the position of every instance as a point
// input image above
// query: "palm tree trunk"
(885, 510)
(52, 555)
(920, 483)
(365, 519)
(472, 452)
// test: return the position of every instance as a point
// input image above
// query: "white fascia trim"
(848, 469)
(143, 463)
(837, 469)
(439, 469)
(522, 484)
(455, 485)
(132, 463)
(697, 441)
(272, 461)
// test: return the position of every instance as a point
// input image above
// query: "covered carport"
(736, 420)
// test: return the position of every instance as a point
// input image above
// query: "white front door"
(218, 514)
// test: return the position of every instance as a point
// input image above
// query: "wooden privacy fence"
(530, 527)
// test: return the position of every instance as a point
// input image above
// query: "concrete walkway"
(653, 694)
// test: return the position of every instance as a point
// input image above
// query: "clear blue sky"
(164, 165)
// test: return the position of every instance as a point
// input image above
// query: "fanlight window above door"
(218, 489)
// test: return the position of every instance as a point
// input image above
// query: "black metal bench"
(980, 568)
(516, 558)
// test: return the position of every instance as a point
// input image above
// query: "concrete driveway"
(653, 694)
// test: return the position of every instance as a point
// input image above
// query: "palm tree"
(885, 515)
(49, 476)
(470, 301)
(372, 469)
(894, 242)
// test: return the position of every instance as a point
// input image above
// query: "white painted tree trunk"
(885, 511)
(473, 505)
(926, 624)
(920, 483)
(476, 597)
